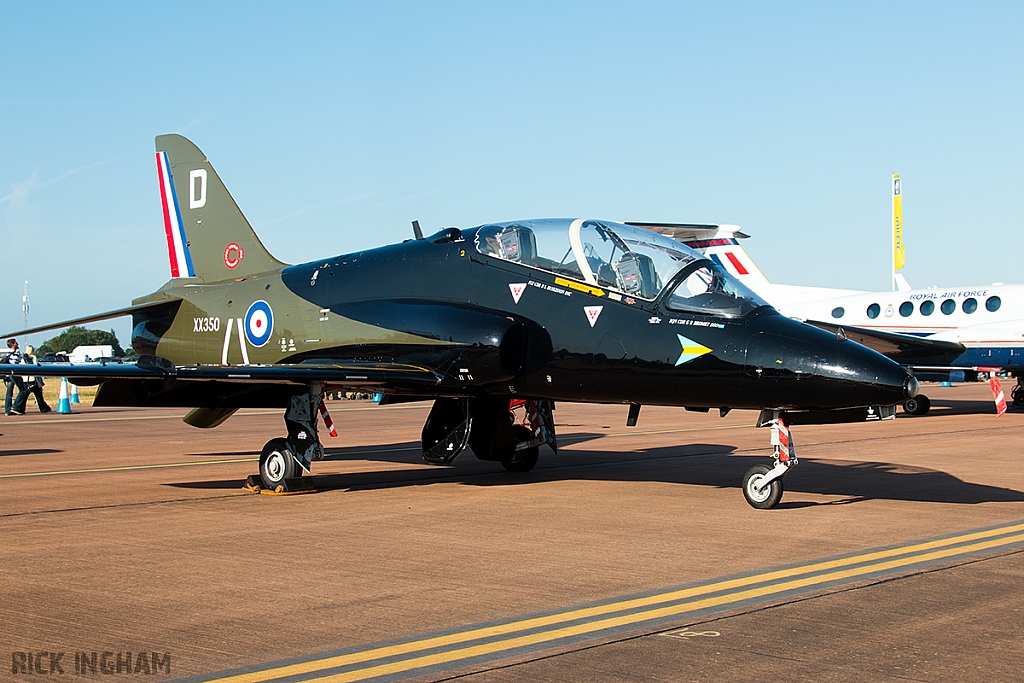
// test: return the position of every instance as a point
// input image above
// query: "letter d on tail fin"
(207, 235)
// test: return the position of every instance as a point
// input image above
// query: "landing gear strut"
(1018, 393)
(287, 458)
(490, 426)
(762, 485)
(537, 427)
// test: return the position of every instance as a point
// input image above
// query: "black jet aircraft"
(493, 324)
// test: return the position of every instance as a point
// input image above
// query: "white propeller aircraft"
(950, 333)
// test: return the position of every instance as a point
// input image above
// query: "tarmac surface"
(629, 556)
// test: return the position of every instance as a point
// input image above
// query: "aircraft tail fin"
(208, 237)
(720, 243)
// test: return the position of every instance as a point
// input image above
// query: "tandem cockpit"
(625, 259)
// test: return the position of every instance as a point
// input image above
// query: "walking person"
(18, 406)
(34, 385)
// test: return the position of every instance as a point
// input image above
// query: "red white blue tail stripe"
(737, 266)
(177, 244)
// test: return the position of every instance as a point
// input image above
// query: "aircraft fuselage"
(440, 304)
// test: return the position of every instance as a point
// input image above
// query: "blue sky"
(336, 124)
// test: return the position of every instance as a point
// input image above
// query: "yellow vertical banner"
(898, 255)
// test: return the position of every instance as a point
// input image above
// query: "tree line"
(74, 336)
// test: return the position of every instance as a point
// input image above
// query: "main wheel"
(1018, 396)
(524, 460)
(762, 498)
(277, 464)
(917, 406)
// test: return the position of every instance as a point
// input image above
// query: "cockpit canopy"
(636, 262)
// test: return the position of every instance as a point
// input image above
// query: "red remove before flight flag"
(997, 394)
(328, 422)
(997, 389)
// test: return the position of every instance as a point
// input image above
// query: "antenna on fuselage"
(416, 230)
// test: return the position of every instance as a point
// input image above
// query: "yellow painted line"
(679, 431)
(369, 450)
(589, 612)
(161, 465)
(54, 419)
(590, 627)
(124, 468)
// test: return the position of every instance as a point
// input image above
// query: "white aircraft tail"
(720, 243)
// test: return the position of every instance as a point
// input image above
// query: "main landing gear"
(535, 427)
(917, 406)
(287, 458)
(762, 485)
(1018, 393)
(498, 429)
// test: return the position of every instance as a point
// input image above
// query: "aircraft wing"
(905, 349)
(119, 313)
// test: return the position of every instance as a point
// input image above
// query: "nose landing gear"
(762, 485)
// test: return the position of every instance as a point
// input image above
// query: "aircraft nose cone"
(820, 370)
(866, 375)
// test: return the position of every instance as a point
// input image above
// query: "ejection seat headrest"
(518, 244)
(636, 274)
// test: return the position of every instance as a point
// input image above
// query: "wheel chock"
(288, 487)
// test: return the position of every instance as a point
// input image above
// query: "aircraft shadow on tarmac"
(29, 451)
(689, 464)
(942, 407)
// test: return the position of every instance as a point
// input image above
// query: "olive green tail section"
(219, 240)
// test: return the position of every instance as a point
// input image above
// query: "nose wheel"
(759, 491)
(762, 485)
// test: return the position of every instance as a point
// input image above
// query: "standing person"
(18, 407)
(34, 385)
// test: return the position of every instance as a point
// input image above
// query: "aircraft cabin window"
(927, 307)
(993, 303)
(874, 310)
(707, 288)
(948, 306)
(838, 312)
(970, 305)
(624, 258)
(906, 308)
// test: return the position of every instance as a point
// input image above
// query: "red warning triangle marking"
(592, 313)
(517, 289)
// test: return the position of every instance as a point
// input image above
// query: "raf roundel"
(259, 323)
